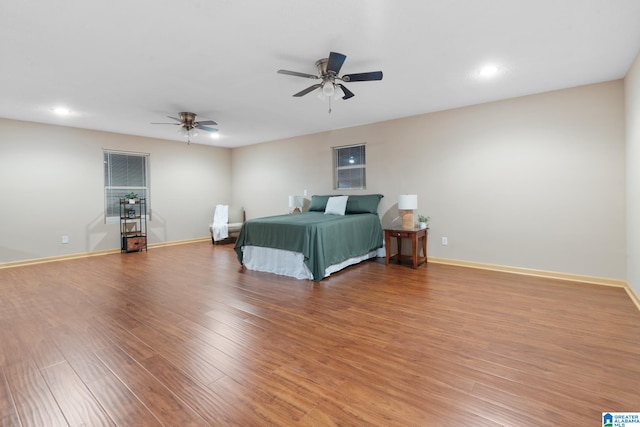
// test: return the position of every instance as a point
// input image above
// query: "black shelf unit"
(133, 224)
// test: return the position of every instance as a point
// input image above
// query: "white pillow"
(336, 205)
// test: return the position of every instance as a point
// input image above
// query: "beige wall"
(534, 182)
(632, 108)
(52, 181)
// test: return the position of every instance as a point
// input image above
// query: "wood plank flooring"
(182, 336)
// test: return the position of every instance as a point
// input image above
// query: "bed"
(337, 231)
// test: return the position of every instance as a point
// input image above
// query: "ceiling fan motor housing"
(188, 120)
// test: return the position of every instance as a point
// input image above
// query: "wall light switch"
(445, 241)
(305, 193)
(65, 239)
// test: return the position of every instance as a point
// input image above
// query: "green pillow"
(365, 203)
(319, 203)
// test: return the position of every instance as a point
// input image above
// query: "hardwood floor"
(182, 336)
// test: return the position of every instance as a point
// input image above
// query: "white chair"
(236, 217)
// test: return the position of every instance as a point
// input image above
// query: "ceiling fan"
(189, 126)
(328, 69)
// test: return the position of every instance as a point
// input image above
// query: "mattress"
(320, 240)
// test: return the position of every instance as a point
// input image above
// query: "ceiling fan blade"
(347, 93)
(297, 74)
(175, 118)
(154, 123)
(207, 129)
(207, 122)
(307, 90)
(362, 77)
(335, 62)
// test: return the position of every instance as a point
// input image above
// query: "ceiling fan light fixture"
(328, 89)
(187, 132)
(338, 93)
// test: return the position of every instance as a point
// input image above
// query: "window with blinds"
(124, 173)
(349, 167)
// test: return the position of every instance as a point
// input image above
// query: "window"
(124, 173)
(349, 166)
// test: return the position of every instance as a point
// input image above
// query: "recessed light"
(62, 111)
(489, 70)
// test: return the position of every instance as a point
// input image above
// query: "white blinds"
(124, 173)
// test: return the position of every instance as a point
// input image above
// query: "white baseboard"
(94, 253)
(542, 273)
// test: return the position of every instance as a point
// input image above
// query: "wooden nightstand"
(414, 235)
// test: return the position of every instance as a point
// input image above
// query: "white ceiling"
(120, 65)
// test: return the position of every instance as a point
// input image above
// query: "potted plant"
(423, 220)
(132, 197)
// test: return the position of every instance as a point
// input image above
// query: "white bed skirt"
(289, 263)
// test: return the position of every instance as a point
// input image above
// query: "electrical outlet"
(445, 241)
(305, 193)
(65, 239)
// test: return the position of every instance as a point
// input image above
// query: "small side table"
(414, 235)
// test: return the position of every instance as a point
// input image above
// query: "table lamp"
(407, 203)
(296, 202)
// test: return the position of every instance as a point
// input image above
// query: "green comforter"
(324, 240)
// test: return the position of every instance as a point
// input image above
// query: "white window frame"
(338, 168)
(112, 216)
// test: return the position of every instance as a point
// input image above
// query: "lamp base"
(407, 220)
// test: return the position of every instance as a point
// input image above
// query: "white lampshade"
(296, 201)
(407, 202)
